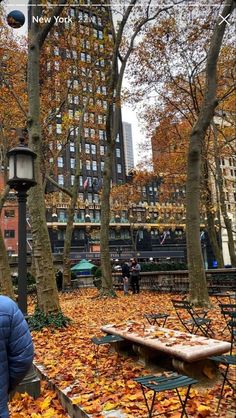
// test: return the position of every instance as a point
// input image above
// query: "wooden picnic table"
(177, 344)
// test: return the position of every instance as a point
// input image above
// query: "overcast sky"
(128, 115)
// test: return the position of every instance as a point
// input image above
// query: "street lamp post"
(21, 178)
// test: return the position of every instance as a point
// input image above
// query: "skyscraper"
(76, 62)
(128, 147)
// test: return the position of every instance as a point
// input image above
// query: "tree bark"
(74, 198)
(211, 219)
(197, 279)
(48, 300)
(223, 208)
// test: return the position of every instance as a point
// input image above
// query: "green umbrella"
(83, 265)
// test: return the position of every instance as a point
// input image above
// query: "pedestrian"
(135, 276)
(126, 277)
(16, 350)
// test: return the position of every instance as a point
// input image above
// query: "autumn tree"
(125, 32)
(178, 88)
(197, 279)
(48, 300)
(78, 82)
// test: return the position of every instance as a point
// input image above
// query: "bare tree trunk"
(223, 208)
(197, 278)
(68, 235)
(6, 287)
(107, 285)
(74, 198)
(48, 300)
(210, 219)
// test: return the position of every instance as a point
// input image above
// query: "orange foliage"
(69, 359)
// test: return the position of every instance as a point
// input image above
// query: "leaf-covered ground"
(69, 359)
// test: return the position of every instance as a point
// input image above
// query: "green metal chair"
(156, 319)
(157, 384)
(226, 361)
(196, 322)
(106, 339)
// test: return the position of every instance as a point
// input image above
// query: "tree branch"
(58, 186)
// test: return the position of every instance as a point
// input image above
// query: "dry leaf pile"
(69, 360)
(46, 406)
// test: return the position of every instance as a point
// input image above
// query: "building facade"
(128, 147)
(9, 221)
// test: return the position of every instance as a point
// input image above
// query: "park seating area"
(68, 359)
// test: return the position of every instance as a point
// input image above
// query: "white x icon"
(224, 19)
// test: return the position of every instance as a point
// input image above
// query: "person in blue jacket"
(16, 350)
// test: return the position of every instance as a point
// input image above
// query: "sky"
(128, 114)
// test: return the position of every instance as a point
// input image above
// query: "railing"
(178, 282)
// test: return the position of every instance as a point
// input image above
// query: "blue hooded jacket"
(16, 350)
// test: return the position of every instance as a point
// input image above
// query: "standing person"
(135, 275)
(126, 277)
(16, 350)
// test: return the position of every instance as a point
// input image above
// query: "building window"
(97, 213)
(118, 152)
(72, 162)
(81, 181)
(118, 138)
(86, 132)
(88, 165)
(61, 179)
(102, 165)
(72, 179)
(83, 56)
(9, 233)
(72, 146)
(56, 50)
(94, 165)
(90, 198)
(58, 128)
(60, 162)
(93, 149)
(101, 135)
(91, 117)
(9, 213)
(87, 148)
(102, 150)
(100, 34)
(119, 170)
(72, 12)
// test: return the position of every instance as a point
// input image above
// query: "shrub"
(163, 266)
(40, 320)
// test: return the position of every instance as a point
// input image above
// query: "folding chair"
(228, 311)
(226, 361)
(155, 319)
(106, 339)
(163, 383)
(195, 323)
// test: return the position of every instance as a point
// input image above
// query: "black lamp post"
(21, 178)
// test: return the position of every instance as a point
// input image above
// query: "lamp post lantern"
(21, 178)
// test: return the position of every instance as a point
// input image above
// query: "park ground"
(68, 358)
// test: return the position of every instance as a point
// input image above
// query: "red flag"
(86, 183)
